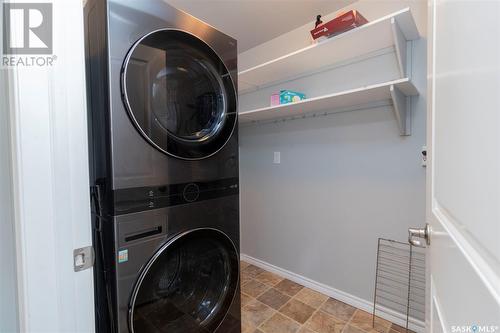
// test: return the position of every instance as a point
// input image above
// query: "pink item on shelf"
(275, 99)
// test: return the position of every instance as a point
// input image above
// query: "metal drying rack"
(400, 280)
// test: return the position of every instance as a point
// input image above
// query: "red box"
(341, 23)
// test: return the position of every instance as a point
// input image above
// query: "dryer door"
(187, 286)
(179, 94)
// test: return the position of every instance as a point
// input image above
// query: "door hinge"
(83, 258)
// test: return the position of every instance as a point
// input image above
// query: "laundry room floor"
(272, 304)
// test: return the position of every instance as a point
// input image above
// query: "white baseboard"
(388, 314)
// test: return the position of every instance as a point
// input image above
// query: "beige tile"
(311, 297)
(245, 299)
(244, 278)
(252, 270)
(338, 309)
(288, 287)
(279, 323)
(269, 278)
(297, 310)
(246, 327)
(243, 264)
(321, 322)
(254, 288)
(296, 305)
(255, 313)
(274, 298)
(352, 329)
(364, 320)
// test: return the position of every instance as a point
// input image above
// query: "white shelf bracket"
(402, 110)
(401, 48)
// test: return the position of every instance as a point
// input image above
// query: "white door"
(464, 166)
(48, 126)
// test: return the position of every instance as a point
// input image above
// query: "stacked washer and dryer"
(162, 101)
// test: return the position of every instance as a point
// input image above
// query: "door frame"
(50, 180)
(8, 212)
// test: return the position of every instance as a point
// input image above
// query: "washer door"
(187, 286)
(179, 94)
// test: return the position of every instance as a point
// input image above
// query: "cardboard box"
(350, 20)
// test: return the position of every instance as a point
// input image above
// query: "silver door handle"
(424, 233)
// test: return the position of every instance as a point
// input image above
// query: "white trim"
(50, 183)
(365, 305)
(17, 198)
(438, 309)
(475, 258)
(6, 93)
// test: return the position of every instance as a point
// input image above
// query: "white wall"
(8, 280)
(344, 179)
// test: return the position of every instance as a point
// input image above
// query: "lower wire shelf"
(397, 92)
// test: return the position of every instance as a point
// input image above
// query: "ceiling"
(253, 22)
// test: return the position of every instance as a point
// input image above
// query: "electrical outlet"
(277, 157)
(424, 156)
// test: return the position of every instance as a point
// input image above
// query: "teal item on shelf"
(288, 96)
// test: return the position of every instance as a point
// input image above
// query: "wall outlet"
(277, 157)
(424, 156)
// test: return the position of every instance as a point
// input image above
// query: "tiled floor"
(271, 304)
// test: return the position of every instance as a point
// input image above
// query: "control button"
(191, 192)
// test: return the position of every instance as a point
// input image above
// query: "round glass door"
(179, 94)
(187, 286)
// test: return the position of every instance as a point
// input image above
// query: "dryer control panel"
(146, 198)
